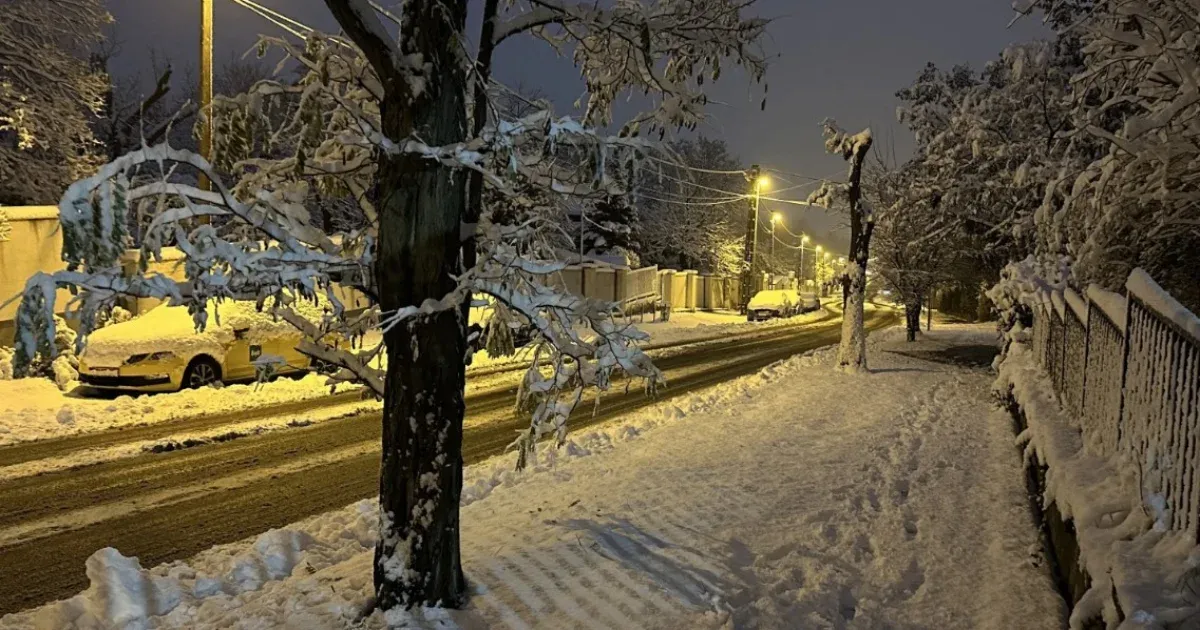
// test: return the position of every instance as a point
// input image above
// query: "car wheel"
(749, 317)
(319, 366)
(202, 371)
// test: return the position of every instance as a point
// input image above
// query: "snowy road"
(168, 506)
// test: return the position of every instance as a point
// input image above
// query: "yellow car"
(161, 350)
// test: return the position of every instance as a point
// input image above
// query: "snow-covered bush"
(6, 363)
(1022, 286)
(115, 315)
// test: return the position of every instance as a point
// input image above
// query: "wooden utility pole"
(751, 238)
(206, 85)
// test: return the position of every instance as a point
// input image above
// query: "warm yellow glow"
(804, 239)
(761, 183)
(826, 255)
(818, 249)
(776, 217)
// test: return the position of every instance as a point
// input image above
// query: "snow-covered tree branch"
(381, 119)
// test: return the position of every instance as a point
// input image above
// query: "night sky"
(839, 58)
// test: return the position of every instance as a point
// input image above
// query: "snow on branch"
(253, 250)
(666, 48)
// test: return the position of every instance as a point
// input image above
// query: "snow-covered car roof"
(171, 329)
(774, 298)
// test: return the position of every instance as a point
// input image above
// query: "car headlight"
(152, 356)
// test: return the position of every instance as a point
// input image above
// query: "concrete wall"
(33, 243)
(600, 283)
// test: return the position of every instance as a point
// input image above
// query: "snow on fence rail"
(1133, 380)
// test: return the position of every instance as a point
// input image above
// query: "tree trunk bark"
(852, 354)
(929, 319)
(912, 314)
(421, 205)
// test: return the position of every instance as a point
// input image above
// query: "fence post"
(1087, 346)
(1124, 366)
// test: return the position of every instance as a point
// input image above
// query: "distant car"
(161, 350)
(809, 302)
(773, 303)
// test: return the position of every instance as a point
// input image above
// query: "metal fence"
(1133, 381)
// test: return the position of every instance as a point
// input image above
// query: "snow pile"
(6, 363)
(33, 408)
(124, 595)
(1124, 545)
(766, 502)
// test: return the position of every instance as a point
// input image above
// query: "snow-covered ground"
(35, 409)
(795, 498)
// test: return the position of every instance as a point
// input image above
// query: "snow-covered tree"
(854, 148)
(986, 147)
(50, 94)
(609, 226)
(692, 206)
(388, 121)
(1132, 203)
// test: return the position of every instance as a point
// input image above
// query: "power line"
(696, 168)
(734, 196)
(688, 203)
(267, 14)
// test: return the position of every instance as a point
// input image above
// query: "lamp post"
(825, 259)
(800, 271)
(757, 181)
(206, 84)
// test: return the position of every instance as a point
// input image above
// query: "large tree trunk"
(852, 354)
(421, 204)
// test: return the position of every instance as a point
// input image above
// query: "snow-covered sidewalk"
(795, 498)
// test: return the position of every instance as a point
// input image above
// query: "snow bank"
(34, 408)
(124, 595)
(1124, 545)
